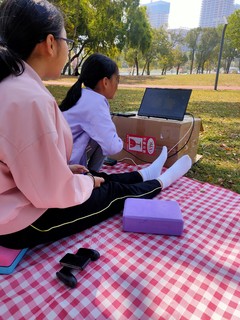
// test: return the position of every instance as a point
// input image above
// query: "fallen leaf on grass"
(225, 147)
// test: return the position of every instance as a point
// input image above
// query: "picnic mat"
(140, 276)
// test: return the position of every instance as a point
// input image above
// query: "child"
(87, 112)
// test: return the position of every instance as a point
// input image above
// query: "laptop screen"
(165, 103)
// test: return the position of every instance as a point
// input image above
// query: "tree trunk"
(148, 68)
(136, 65)
(144, 68)
(228, 65)
(178, 67)
(192, 61)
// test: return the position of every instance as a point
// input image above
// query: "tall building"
(213, 11)
(237, 6)
(158, 13)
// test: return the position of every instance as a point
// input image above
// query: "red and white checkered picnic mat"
(140, 276)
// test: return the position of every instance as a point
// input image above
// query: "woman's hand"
(78, 168)
(98, 181)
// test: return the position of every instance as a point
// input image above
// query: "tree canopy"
(120, 28)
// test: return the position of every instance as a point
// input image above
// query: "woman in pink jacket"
(42, 197)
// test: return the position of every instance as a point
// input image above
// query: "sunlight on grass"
(188, 80)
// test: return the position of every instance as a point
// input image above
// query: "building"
(158, 13)
(213, 12)
(237, 6)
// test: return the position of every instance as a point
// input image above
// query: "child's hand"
(78, 168)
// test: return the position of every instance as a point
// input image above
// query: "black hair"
(23, 24)
(96, 67)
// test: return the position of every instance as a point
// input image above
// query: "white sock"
(176, 171)
(154, 169)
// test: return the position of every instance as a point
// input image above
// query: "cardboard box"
(144, 138)
(152, 216)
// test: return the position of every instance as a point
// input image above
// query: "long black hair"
(96, 67)
(23, 24)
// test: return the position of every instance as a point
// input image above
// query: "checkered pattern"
(140, 276)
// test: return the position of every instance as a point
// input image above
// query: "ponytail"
(73, 95)
(9, 62)
(95, 67)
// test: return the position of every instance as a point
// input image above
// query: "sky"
(183, 13)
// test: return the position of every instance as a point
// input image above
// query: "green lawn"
(220, 113)
(184, 80)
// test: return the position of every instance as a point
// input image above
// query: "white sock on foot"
(176, 171)
(154, 169)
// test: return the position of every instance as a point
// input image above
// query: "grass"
(219, 143)
(184, 80)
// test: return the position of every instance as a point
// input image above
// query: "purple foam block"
(152, 216)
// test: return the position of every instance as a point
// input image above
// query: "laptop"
(165, 103)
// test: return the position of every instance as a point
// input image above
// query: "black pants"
(103, 203)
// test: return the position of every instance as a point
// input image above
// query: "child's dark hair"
(96, 67)
(23, 24)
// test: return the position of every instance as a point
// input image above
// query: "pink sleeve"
(45, 178)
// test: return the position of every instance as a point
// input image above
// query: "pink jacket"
(35, 147)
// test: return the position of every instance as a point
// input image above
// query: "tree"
(77, 16)
(191, 40)
(232, 31)
(166, 62)
(232, 44)
(179, 58)
(95, 25)
(177, 40)
(139, 34)
(229, 53)
(208, 41)
(159, 46)
(177, 37)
